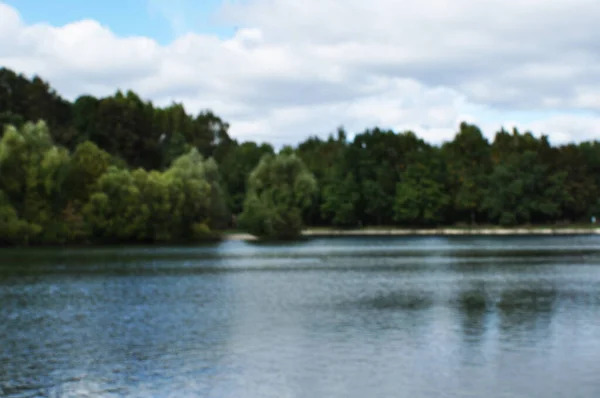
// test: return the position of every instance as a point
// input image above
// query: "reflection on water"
(473, 307)
(344, 317)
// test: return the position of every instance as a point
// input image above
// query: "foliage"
(279, 189)
(120, 169)
(420, 198)
(48, 196)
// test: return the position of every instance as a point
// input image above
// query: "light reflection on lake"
(343, 317)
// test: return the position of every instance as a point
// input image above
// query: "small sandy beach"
(432, 232)
(239, 236)
(452, 231)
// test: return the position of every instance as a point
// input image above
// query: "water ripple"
(405, 317)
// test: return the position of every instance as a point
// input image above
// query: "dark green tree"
(279, 189)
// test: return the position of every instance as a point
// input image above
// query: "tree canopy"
(120, 169)
(279, 189)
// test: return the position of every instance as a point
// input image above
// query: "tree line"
(120, 169)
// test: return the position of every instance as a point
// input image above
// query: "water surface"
(342, 317)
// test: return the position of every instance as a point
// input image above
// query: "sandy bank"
(451, 231)
(432, 232)
(239, 236)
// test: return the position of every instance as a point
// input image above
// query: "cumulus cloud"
(295, 69)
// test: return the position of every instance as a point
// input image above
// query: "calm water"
(378, 317)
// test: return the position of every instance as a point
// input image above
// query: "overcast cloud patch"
(295, 69)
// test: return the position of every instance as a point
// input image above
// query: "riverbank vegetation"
(120, 169)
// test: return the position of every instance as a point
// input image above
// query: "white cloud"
(300, 68)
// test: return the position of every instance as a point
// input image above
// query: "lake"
(480, 317)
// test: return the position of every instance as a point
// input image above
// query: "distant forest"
(119, 169)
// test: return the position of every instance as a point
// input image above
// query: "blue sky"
(151, 18)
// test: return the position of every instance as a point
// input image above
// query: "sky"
(283, 70)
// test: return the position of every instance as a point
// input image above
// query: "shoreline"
(451, 231)
(239, 236)
(490, 231)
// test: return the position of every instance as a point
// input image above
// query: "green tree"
(339, 201)
(196, 196)
(327, 161)
(23, 99)
(119, 168)
(235, 168)
(420, 199)
(154, 195)
(115, 212)
(280, 188)
(468, 164)
(88, 164)
(32, 176)
(13, 230)
(522, 190)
